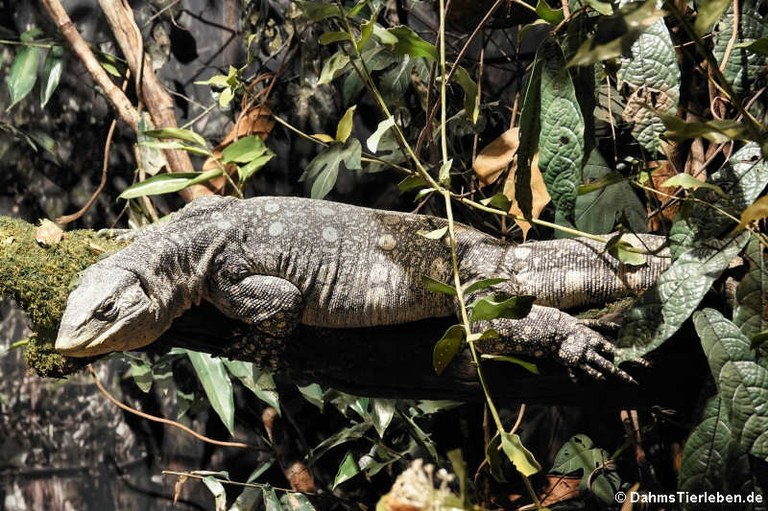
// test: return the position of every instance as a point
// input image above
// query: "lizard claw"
(590, 352)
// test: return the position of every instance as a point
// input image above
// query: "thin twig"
(162, 420)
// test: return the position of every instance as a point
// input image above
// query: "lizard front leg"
(269, 307)
(547, 331)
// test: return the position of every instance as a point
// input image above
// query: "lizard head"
(108, 311)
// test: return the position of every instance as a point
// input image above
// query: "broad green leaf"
(334, 37)
(523, 459)
(742, 383)
(411, 183)
(178, 134)
(749, 314)
(489, 307)
(624, 252)
(141, 372)
(436, 286)
(743, 65)
(616, 34)
(529, 137)
(484, 284)
(708, 12)
(245, 172)
(217, 386)
(347, 470)
(579, 455)
(244, 150)
(168, 183)
(410, 43)
(742, 178)
(498, 201)
(52, 70)
(444, 174)
(493, 457)
(381, 414)
(225, 97)
(561, 139)
(23, 74)
(448, 347)
(548, 14)
(471, 98)
(319, 10)
(333, 67)
(262, 384)
(437, 234)
(759, 46)
(366, 31)
(651, 75)
(219, 494)
(663, 308)
(373, 141)
(689, 182)
(314, 394)
(600, 208)
(344, 128)
(323, 170)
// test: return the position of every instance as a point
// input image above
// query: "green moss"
(39, 278)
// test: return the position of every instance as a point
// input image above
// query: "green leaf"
(217, 386)
(366, 31)
(579, 455)
(548, 14)
(759, 46)
(437, 234)
(334, 37)
(262, 384)
(742, 67)
(295, 502)
(245, 172)
(663, 308)
(529, 137)
(498, 201)
(436, 286)
(333, 67)
(651, 75)
(168, 183)
(23, 74)
(493, 458)
(323, 170)
(344, 128)
(382, 414)
(471, 98)
(319, 10)
(141, 372)
(742, 383)
(616, 34)
(410, 43)
(244, 150)
(217, 489)
(561, 137)
(483, 284)
(444, 174)
(523, 459)
(604, 8)
(411, 183)
(347, 470)
(341, 437)
(717, 131)
(749, 314)
(373, 141)
(178, 134)
(707, 14)
(688, 182)
(52, 70)
(448, 347)
(488, 308)
(270, 499)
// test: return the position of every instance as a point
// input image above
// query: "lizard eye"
(106, 311)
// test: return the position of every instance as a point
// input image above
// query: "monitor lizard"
(276, 262)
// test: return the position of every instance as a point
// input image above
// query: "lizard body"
(275, 262)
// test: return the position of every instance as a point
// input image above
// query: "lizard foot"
(588, 351)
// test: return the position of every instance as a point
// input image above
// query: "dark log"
(396, 362)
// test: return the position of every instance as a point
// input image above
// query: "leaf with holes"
(561, 139)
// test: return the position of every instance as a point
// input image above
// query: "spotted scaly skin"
(275, 262)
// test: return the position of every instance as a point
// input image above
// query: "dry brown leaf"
(560, 488)
(178, 487)
(663, 170)
(495, 157)
(48, 233)
(256, 120)
(538, 191)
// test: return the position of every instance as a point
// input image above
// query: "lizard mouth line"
(90, 346)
